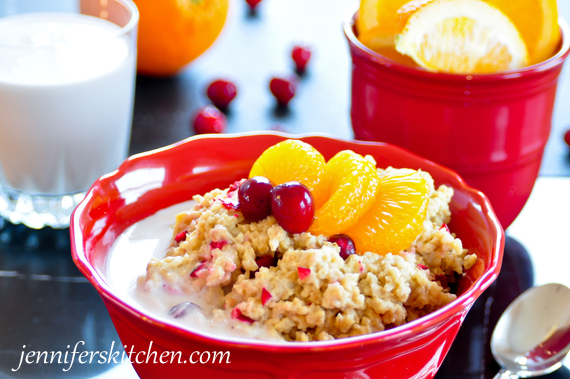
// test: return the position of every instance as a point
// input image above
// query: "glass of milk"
(67, 78)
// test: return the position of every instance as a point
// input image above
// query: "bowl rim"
(98, 280)
(555, 60)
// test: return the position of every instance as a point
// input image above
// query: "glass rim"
(555, 60)
(129, 26)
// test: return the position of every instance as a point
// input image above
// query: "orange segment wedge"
(383, 42)
(462, 36)
(351, 184)
(395, 219)
(537, 21)
(293, 160)
(378, 15)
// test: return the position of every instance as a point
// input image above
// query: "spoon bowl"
(532, 336)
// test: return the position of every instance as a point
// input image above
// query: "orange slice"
(379, 15)
(462, 36)
(383, 41)
(379, 21)
(293, 160)
(537, 21)
(351, 184)
(395, 219)
(377, 25)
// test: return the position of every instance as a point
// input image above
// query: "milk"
(128, 259)
(66, 101)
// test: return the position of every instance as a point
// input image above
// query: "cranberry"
(301, 56)
(444, 226)
(293, 207)
(567, 137)
(218, 244)
(234, 186)
(255, 198)
(345, 243)
(199, 267)
(230, 204)
(252, 3)
(180, 236)
(265, 296)
(209, 120)
(423, 267)
(283, 90)
(303, 272)
(237, 315)
(221, 93)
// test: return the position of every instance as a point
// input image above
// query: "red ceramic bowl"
(491, 129)
(200, 164)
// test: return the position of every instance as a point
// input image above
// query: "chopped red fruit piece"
(283, 90)
(301, 56)
(423, 267)
(266, 261)
(265, 296)
(230, 204)
(218, 244)
(221, 93)
(181, 236)
(200, 267)
(303, 272)
(237, 315)
(444, 226)
(345, 243)
(209, 120)
(234, 186)
(567, 137)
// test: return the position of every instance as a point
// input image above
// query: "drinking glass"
(67, 78)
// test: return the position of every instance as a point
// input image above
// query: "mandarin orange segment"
(293, 160)
(395, 219)
(351, 184)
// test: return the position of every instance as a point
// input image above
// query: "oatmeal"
(256, 276)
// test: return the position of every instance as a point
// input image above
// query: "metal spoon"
(532, 336)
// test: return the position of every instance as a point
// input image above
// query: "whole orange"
(172, 33)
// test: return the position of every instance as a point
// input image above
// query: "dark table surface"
(45, 302)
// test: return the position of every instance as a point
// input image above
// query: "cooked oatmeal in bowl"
(249, 275)
(126, 204)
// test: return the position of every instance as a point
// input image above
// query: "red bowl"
(202, 163)
(490, 128)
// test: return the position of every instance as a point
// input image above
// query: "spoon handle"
(505, 374)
